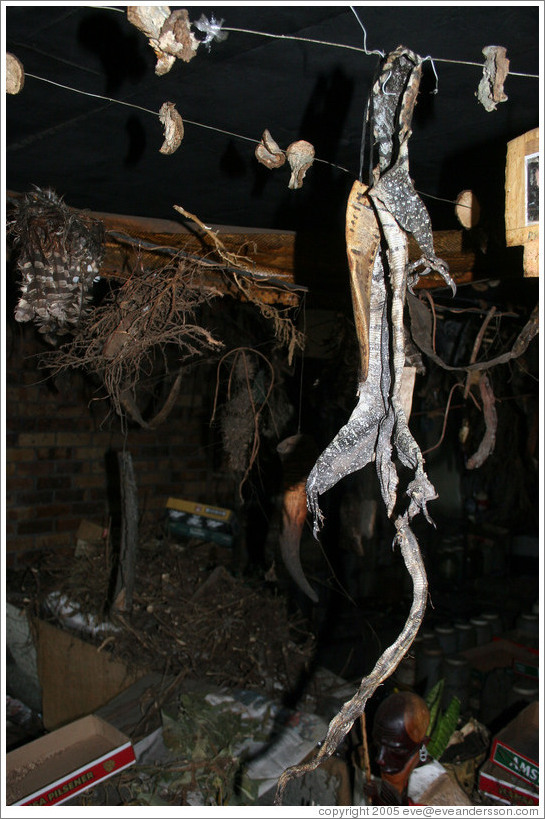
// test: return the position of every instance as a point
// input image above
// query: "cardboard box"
(502, 653)
(76, 679)
(200, 520)
(506, 787)
(516, 747)
(59, 765)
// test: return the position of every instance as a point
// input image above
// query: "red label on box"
(505, 792)
(83, 778)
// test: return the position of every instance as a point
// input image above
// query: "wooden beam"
(283, 264)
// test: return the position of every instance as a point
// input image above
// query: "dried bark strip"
(486, 447)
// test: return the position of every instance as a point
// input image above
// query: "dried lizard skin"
(367, 434)
(379, 416)
(354, 445)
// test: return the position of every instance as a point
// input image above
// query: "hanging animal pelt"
(59, 256)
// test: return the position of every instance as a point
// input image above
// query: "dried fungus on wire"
(495, 71)
(174, 128)
(15, 74)
(169, 34)
(269, 153)
(300, 155)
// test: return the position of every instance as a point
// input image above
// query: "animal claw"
(430, 264)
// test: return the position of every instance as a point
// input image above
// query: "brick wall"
(60, 446)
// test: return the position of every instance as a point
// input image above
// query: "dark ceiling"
(105, 156)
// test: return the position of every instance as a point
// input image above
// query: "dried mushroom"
(300, 156)
(174, 128)
(15, 74)
(269, 153)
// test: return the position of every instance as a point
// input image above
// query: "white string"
(379, 53)
(436, 89)
(156, 114)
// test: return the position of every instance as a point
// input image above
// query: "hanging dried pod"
(174, 128)
(300, 156)
(169, 34)
(495, 72)
(269, 153)
(15, 74)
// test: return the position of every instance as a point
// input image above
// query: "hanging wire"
(363, 50)
(368, 112)
(380, 53)
(228, 133)
(156, 114)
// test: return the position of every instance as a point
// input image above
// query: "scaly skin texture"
(378, 423)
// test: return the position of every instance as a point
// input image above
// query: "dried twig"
(477, 345)
(486, 447)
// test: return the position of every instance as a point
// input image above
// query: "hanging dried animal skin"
(60, 253)
(300, 156)
(269, 153)
(495, 71)
(378, 423)
(15, 74)
(174, 128)
(169, 34)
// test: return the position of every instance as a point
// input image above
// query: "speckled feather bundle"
(59, 256)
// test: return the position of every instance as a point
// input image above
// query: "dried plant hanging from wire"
(121, 340)
(248, 394)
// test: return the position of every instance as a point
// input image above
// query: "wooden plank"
(521, 186)
(281, 260)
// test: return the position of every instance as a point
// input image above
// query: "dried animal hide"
(378, 422)
(379, 414)
(60, 253)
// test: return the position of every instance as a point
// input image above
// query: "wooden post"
(522, 198)
(129, 534)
